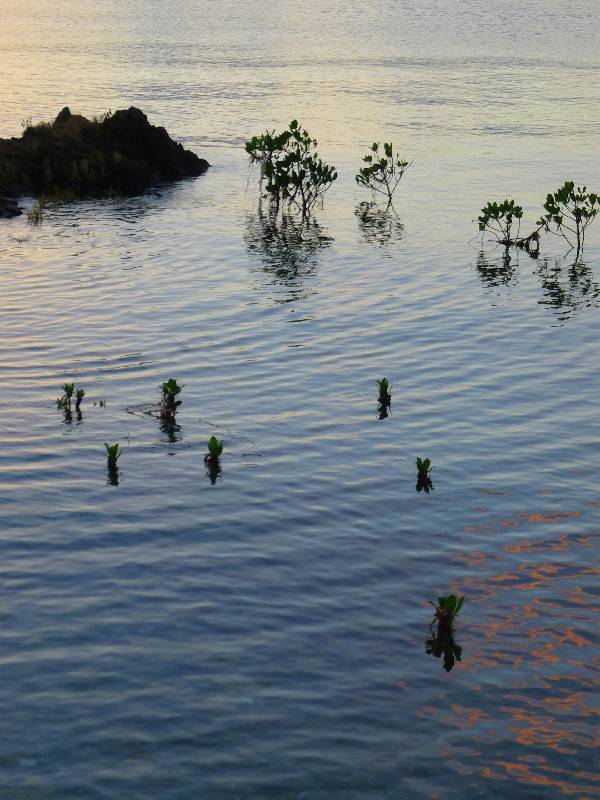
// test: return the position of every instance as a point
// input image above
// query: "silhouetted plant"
(384, 172)
(447, 609)
(498, 219)
(424, 482)
(79, 395)
(65, 400)
(169, 404)
(113, 452)
(569, 212)
(384, 387)
(295, 175)
(385, 397)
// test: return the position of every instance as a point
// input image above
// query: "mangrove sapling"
(384, 387)
(215, 448)
(295, 175)
(213, 458)
(113, 452)
(384, 172)
(79, 395)
(446, 610)
(169, 403)
(569, 212)
(385, 397)
(498, 220)
(65, 400)
(424, 482)
(442, 639)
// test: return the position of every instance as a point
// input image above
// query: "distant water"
(266, 635)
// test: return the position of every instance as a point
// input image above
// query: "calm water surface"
(265, 635)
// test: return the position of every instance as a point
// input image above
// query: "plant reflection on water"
(289, 248)
(566, 288)
(441, 643)
(378, 226)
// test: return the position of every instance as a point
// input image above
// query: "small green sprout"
(113, 452)
(65, 400)
(215, 447)
(447, 608)
(79, 395)
(169, 404)
(424, 482)
(424, 466)
(384, 387)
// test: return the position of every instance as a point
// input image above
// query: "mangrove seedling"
(65, 400)
(169, 403)
(424, 482)
(385, 398)
(569, 212)
(382, 173)
(447, 609)
(215, 448)
(498, 219)
(113, 452)
(79, 395)
(384, 387)
(289, 163)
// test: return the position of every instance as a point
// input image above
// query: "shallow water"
(265, 635)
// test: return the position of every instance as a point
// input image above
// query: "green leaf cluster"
(569, 211)
(424, 467)
(169, 404)
(113, 451)
(67, 396)
(498, 218)
(294, 174)
(383, 171)
(449, 605)
(384, 387)
(215, 447)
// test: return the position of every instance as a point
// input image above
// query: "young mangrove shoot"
(382, 173)
(79, 395)
(424, 482)
(113, 452)
(215, 448)
(65, 400)
(569, 212)
(169, 403)
(447, 609)
(384, 387)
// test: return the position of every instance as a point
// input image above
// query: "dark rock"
(9, 208)
(120, 153)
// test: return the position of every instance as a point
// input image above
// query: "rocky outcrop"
(120, 154)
